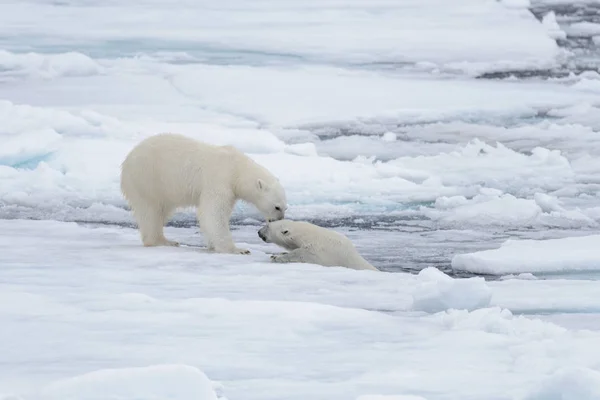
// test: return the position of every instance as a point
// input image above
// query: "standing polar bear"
(168, 171)
(313, 244)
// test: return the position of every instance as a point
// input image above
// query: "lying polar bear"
(310, 243)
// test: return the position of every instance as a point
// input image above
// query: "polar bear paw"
(237, 250)
(279, 258)
(160, 242)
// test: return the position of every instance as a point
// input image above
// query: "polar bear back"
(173, 170)
(332, 248)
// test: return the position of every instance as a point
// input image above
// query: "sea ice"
(583, 29)
(535, 256)
(569, 383)
(390, 397)
(366, 110)
(80, 305)
(159, 382)
(447, 36)
(436, 291)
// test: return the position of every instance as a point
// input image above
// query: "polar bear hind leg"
(214, 213)
(151, 220)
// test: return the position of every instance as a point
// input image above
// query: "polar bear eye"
(278, 208)
(285, 232)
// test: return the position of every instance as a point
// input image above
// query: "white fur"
(169, 171)
(309, 243)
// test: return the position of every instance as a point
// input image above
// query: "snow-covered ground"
(84, 300)
(381, 121)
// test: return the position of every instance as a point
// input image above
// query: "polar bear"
(309, 243)
(168, 171)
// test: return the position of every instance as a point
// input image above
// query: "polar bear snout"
(277, 214)
(269, 220)
(262, 233)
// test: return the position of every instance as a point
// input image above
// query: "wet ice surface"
(421, 129)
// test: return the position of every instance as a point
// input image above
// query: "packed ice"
(455, 143)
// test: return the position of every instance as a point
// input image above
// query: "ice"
(534, 256)
(65, 144)
(160, 382)
(331, 31)
(46, 66)
(438, 292)
(88, 307)
(583, 29)
(59, 163)
(348, 95)
(392, 397)
(525, 275)
(422, 129)
(569, 384)
(554, 30)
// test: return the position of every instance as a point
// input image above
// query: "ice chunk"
(583, 29)
(157, 382)
(554, 30)
(34, 65)
(588, 85)
(569, 383)
(497, 210)
(437, 291)
(547, 203)
(389, 137)
(541, 256)
(524, 276)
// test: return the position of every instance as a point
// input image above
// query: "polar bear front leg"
(214, 213)
(300, 255)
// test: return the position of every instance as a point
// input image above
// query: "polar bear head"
(285, 233)
(270, 199)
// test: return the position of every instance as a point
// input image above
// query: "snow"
(384, 397)
(569, 383)
(543, 256)
(454, 37)
(64, 145)
(381, 120)
(87, 309)
(554, 30)
(436, 291)
(583, 29)
(159, 382)
(60, 163)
